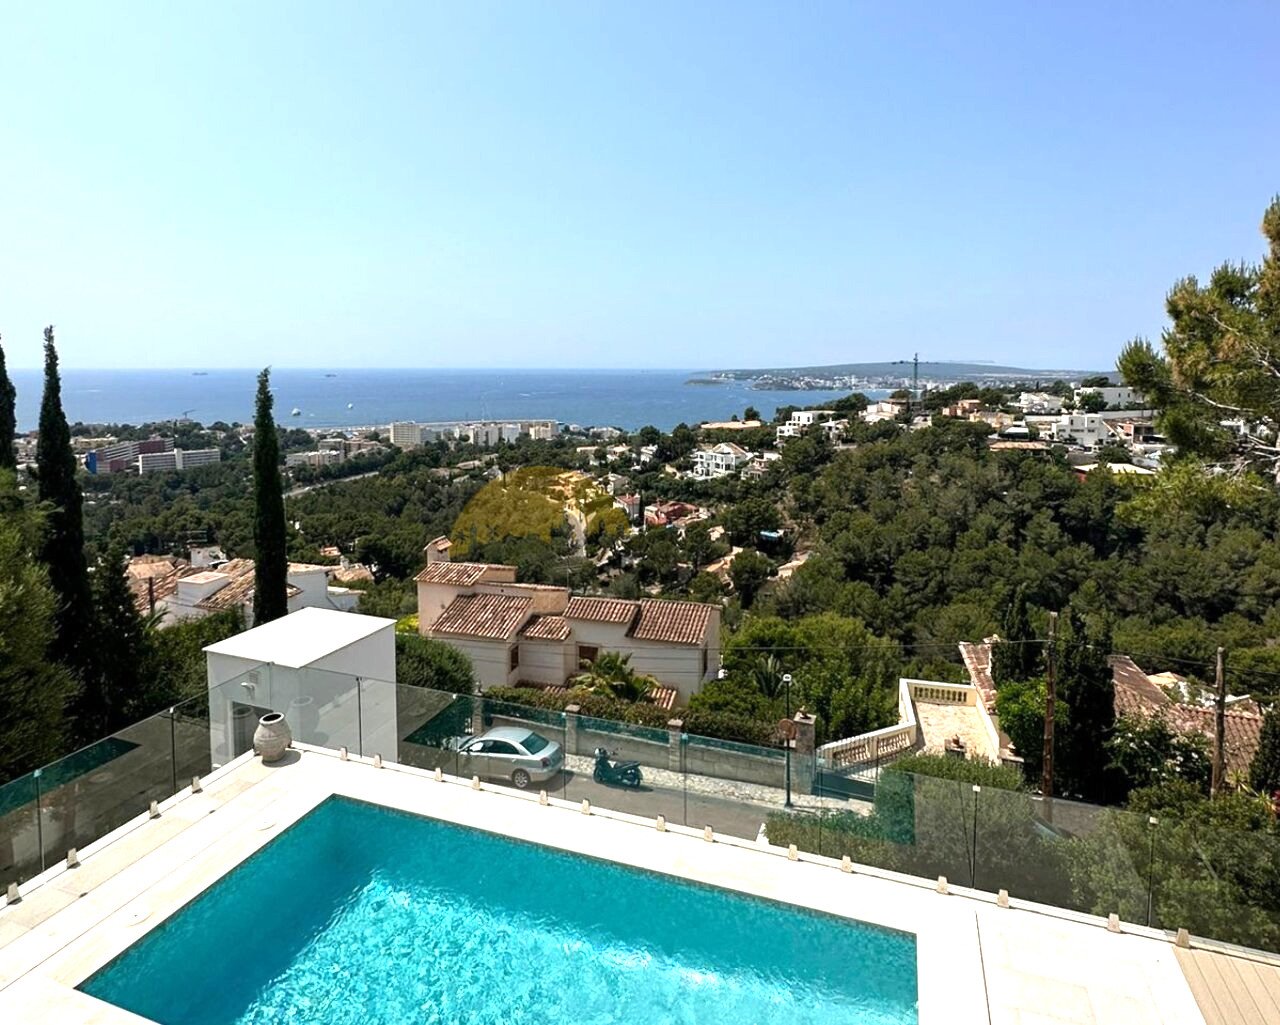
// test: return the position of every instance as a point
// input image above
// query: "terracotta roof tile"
(1242, 732)
(461, 573)
(601, 610)
(675, 622)
(546, 628)
(240, 590)
(491, 616)
(1135, 693)
(977, 659)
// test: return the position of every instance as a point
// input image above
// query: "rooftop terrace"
(978, 962)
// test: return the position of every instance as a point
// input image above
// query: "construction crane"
(915, 374)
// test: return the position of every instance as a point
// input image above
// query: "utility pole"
(1219, 726)
(1050, 699)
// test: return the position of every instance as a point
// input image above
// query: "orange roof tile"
(460, 573)
(601, 610)
(546, 628)
(490, 616)
(675, 622)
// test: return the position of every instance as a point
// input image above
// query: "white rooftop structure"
(304, 638)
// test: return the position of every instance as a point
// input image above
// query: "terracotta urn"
(272, 737)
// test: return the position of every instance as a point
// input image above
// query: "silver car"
(510, 752)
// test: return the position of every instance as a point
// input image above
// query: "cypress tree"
(1264, 770)
(62, 545)
(1087, 689)
(270, 583)
(123, 648)
(1014, 658)
(8, 418)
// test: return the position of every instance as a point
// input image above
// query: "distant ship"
(330, 375)
(351, 405)
(295, 411)
(199, 373)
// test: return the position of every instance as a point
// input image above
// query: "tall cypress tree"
(1015, 658)
(62, 545)
(270, 583)
(123, 646)
(1264, 770)
(8, 418)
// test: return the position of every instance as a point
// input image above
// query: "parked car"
(510, 753)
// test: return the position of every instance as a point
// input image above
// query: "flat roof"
(301, 637)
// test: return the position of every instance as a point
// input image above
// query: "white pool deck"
(977, 963)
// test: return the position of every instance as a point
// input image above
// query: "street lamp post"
(786, 684)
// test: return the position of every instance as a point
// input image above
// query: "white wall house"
(719, 460)
(217, 586)
(800, 420)
(1116, 398)
(1039, 402)
(308, 665)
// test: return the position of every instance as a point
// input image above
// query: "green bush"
(966, 770)
(720, 725)
(424, 662)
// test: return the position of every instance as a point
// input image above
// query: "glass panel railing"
(89, 793)
(517, 746)
(429, 724)
(639, 772)
(20, 842)
(1030, 847)
(735, 786)
(1216, 882)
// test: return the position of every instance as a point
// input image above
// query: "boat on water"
(351, 405)
(295, 411)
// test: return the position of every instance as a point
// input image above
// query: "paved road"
(303, 489)
(733, 816)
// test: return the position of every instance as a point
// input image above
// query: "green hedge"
(720, 725)
(966, 770)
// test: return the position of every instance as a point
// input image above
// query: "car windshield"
(534, 743)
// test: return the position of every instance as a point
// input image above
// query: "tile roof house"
(541, 634)
(175, 590)
(1140, 694)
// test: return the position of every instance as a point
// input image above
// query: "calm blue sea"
(363, 916)
(625, 398)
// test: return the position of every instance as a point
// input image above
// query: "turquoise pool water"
(359, 914)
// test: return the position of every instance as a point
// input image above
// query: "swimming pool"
(362, 914)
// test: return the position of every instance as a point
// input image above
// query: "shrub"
(966, 770)
(720, 725)
(424, 662)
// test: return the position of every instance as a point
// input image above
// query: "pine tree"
(270, 585)
(34, 689)
(1015, 658)
(62, 546)
(1264, 770)
(8, 418)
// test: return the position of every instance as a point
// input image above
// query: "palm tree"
(611, 673)
(766, 674)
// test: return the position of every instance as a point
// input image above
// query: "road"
(302, 490)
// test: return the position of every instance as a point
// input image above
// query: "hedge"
(720, 725)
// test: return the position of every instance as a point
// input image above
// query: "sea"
(359, 398)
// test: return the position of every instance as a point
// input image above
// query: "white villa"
(720, 460)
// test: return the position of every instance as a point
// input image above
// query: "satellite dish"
(786, 729)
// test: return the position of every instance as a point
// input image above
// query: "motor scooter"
(625, 774)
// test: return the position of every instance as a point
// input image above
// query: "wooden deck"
(1232, 990)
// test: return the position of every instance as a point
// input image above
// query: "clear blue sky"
(539, 184)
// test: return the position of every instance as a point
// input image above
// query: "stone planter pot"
(304, 718)
(272, 737)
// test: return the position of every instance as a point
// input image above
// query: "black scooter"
(626, 774)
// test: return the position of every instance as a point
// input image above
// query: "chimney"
(437, 550)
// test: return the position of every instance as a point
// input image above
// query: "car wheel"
(521, 779)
